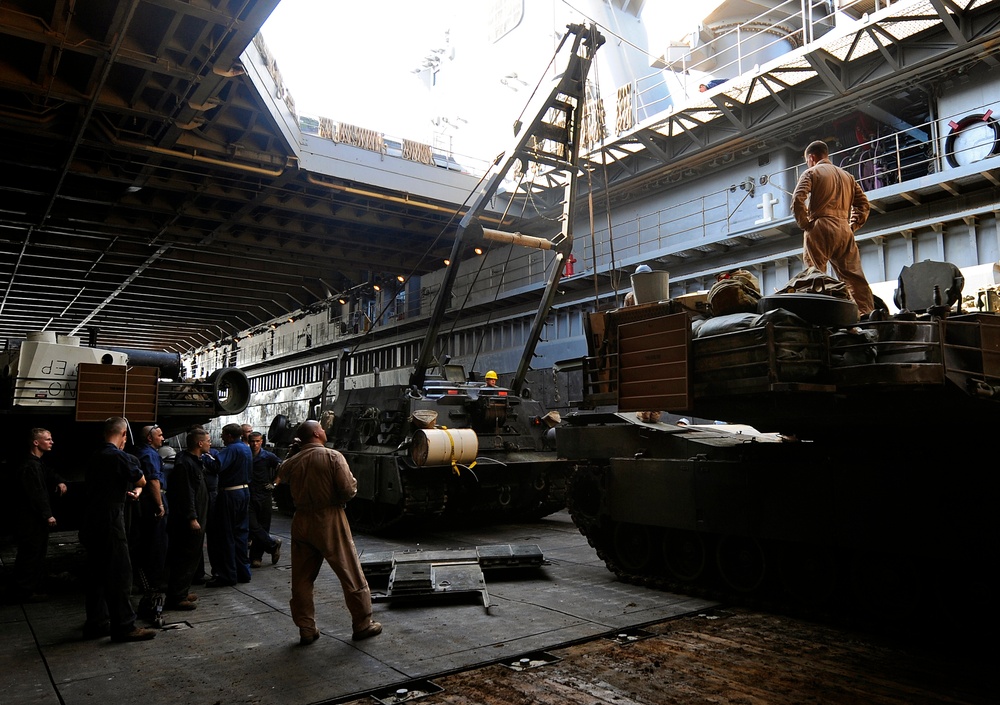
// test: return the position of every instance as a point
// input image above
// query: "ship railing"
(895, 157)
(738, 50)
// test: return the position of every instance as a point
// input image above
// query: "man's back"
(318, 477)
(235, 465)
(832, 193)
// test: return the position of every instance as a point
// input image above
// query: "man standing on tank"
(112, 477)
(231, 520)
(186, 522)
(34, 483)
(265, 470)
(830, 206)
(321, 483)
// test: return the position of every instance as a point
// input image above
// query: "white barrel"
(45, 336)
(71, 340)
(650, 287)
(443, 446)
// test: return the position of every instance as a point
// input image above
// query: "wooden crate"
(116, 390)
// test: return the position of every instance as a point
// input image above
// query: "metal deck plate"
(445, 573)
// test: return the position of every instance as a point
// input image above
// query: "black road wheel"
(741, 563)
(634, 548)
(684, 554)
(583, 497)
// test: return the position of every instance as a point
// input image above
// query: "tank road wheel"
(685, 555)
(583, 498)
(809, 574)
(741, 563)
(634, 547)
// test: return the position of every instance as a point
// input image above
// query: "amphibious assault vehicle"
(860, 476)
(430, 443)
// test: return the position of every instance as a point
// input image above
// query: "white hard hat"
(642, 268)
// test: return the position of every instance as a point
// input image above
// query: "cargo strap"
(454, 463)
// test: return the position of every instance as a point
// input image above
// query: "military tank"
(435, 445)
(850, 474)
(55, 382)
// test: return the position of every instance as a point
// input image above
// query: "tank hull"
(511, 473)
(822, 525)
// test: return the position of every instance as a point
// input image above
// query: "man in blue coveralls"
(231, 520)
(151, 556)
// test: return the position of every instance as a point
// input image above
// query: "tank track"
(429, 502)
(848, 598)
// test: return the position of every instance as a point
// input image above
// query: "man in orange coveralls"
(321, 483)
(830, 206)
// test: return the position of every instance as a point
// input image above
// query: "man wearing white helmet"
(630, 296)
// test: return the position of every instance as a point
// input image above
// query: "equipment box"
(762, 355)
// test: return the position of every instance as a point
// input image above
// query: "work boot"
(276, 553)
(182, 605)
(307, 639)
(373, 629)
(137, 634)
(218, 582)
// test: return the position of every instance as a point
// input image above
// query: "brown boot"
(373, 629)
(137, 634)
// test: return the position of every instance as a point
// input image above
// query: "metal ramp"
(447, 573)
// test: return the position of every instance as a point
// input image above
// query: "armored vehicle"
(853, 467)
(435, 444)
(53, 382)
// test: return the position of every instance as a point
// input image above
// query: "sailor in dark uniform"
(34, 483)
(113, 477)
(265, 470)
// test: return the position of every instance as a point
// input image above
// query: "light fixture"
(376, 287)
(447, 262)
(400, 278)
(479, 250)
(342, 300)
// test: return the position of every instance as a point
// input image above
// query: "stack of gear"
(734, 292)
(813, 281)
